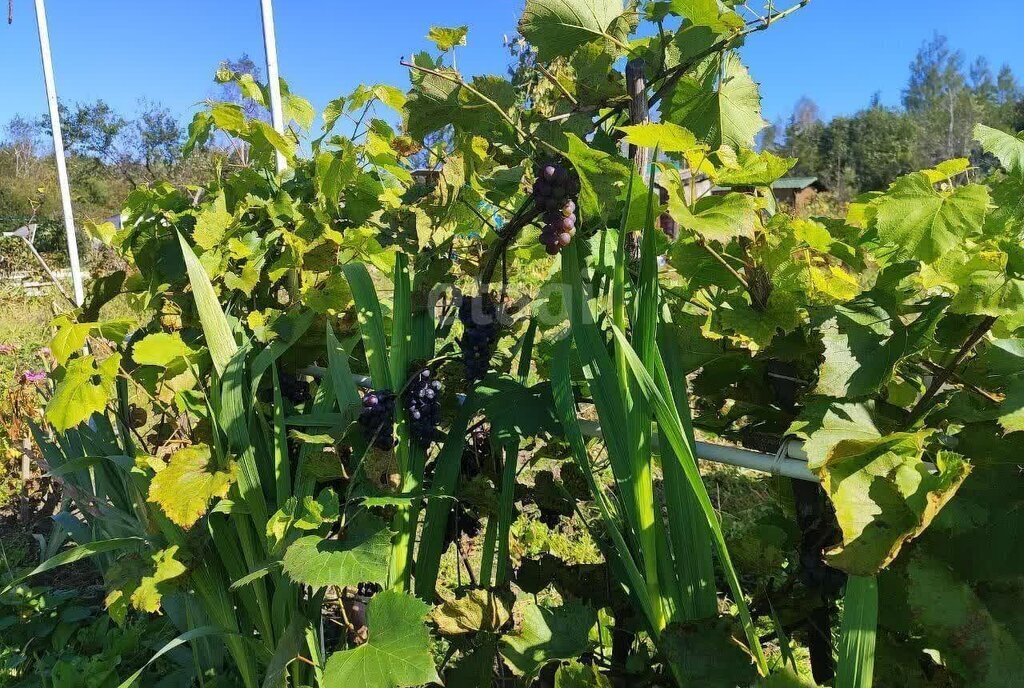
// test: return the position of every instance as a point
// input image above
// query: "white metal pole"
(273, 74)
(58, 153)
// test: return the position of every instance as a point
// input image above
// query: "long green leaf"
(74, 554)
(371, 324)
(856, 664)
(445, 480)
(672, 429)
(565, 406)
(216, 329)
(345, 390)
(186, 637)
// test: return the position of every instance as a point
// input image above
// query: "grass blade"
(672, 428)
(216, 328)
(371, 324)
(857, 637)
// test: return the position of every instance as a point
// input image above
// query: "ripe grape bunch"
(423, 404)
(367, 589)
(479, 317)
(554, 193)
(378, 418)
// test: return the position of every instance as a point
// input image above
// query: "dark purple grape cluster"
(378, 418)
(423, 404)
(368, 589)
(479, 317)
(554, 193)
(293, 389)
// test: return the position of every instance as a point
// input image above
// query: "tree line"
(109, 153)
(945, 96)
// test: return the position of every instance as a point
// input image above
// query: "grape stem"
(924, 404)
(524, 216)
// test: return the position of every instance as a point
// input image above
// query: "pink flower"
(8, 348)
(33, 377)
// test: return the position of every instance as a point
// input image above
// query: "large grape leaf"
(824, 423)
(1007, 147)
(1011, 410)
(83, 390)
(397, 649)
(601, 174)
(185, 486)
(860, 358)
(709, 653)
(707, 13)
(161, 349)
(753, 169)
(718, 218)
(578, 675)
(546, 634)
(721, 106)
(360, 556)
(971, 635)
(924, 222)
(557, 27)
(885, 495)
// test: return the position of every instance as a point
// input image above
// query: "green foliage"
(249, 491)
(396, 652)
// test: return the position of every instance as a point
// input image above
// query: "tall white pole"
(58, 153)
(273, 74)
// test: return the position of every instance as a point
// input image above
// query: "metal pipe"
(273, 74)
(58, 153)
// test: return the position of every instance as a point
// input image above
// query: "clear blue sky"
(839, 52)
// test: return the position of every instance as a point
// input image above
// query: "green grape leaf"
(1011, 410)
(709, 652)
(212, 222)
(665, 136)
(83, 390)
(578, 675)
(721, 106)
(397, 649)
(446, 38)
(1009, 149)
(718, 218)
(187, 484)
(884, 495)
(601, 175)
(70, 337)
(547, 634)
(971, 632)
(476, 610)
(753, 169)
(756, 329)
(707, 13)
(557, 27)
(360, 556)
(148, 595)
(824, 423)
(924, 222)
(161, 349)
(859, 359)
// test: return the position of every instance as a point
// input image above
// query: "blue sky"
(839, 52)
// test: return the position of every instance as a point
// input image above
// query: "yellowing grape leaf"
(446, 38)
(147, 596)
(161, 349)
(718, 218)
(185, 487)
(885, 495)
(665, 136)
